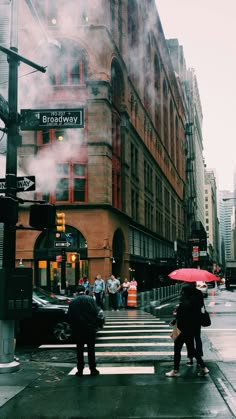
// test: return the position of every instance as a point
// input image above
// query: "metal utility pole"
(9, 236)
(7, 363)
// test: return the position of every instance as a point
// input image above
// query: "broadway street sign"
(38, 119)
(23, 184)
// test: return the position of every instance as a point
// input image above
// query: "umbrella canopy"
(193, 275)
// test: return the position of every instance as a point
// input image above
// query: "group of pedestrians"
(83, 313)
(121, 294)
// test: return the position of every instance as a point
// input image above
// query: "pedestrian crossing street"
(129, 342)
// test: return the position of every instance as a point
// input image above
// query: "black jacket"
(188, 313)
(82, 314)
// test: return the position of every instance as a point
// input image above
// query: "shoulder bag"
(205, 317)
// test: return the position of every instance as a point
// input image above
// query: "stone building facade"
(119, 179)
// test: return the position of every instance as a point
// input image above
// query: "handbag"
(205, 318)
(175, 333)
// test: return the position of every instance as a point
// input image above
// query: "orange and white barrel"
(132, 297)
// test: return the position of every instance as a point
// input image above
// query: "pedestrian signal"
(60, 221)
(74, 257)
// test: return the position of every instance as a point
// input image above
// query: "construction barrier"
(132, 297)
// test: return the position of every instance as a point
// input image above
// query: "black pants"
(197, 341)
(99, 299)
(113, 301)
(125, 298)
(86, 337)
(189, 341)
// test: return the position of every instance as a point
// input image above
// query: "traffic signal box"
(42, 216)
(60, 221)
(15, 293)
(8, 210)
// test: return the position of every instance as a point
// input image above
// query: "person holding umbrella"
(188, 315)
(197, 332)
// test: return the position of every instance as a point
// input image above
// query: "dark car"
(51, 297)
(47, 323)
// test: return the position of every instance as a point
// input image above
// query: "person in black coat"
(197, 332)
(188, 320)
(82, 316)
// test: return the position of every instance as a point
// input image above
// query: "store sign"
(195, 253)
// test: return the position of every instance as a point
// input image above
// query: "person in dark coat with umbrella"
(188, 316)
(82, 316)
(198, 296)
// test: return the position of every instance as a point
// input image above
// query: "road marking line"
(133, 331)
(118, 370)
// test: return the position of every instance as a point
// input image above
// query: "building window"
(148, 208)
(148, 177)
(69, 67)
(157, 76)
(134, 160)
(165, 115)
(68, 179)
(159, 222)
(159, 190)
(80, 182)
(62, 183)
(134, 205)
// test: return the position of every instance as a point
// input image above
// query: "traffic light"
(60, 221)
(8, 210)
(42, 216)
(74, 257)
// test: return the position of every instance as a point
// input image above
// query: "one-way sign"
(23, 184)
(62, 244)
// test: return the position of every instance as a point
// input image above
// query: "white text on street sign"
(23, 184)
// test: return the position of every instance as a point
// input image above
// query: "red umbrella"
(193, 275)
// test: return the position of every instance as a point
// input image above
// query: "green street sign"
(38, 119)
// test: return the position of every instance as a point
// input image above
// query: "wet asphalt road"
(153, 396)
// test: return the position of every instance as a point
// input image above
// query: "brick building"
(119, 179)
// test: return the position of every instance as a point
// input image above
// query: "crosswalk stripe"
(132, 325)
(118, 370)
(135, 337)
(134, 331)
(135, 323)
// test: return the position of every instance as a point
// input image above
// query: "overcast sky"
(207, 31)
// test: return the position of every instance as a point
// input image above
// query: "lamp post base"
(9, 367)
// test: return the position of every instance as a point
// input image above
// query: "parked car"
(47, 323)
(203, 287)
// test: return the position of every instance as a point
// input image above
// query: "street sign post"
(37, 119)
(23, 184)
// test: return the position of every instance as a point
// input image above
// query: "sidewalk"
(42, 391)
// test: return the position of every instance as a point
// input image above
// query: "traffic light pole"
(63, 271)
(7, 363)
(7, 334)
